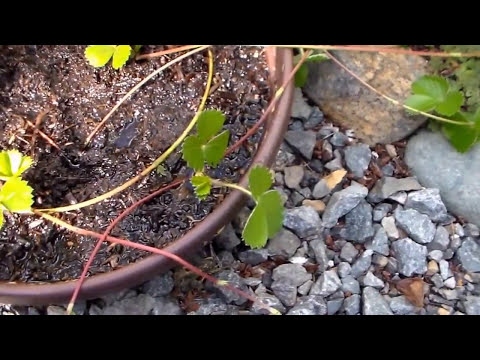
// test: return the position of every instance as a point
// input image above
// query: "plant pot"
(280, 63)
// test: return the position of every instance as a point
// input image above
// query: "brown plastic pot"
(280, 63)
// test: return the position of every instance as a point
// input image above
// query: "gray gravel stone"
(140, 305)
(269, 300)
(351, 305)
(335, 164)
(293, 176)
(437, 280)
(320, 251)
(321, 189)
(381, 210)
(418, 226)
(469, 255)
(373, 281)
(300, 108)
(315, 118)
(438, 165)
(440, 241)
(471, 230)
(358, 223)
(166, 306)
(349, 252)
(374, 303)
(285, 291)
(401, 306)
(445, 271)
(55, 310)
(304, 221)
(387, 186)
(380, 242)
(285, 243)
(159, 286)
(302, 141)
(450, 283)
(234, 280)
(227, 239)
(344, 269)
(333, 306)
(472, 305)
(436, 255)
(357, 159)
(388, 170)
(327, 284)
(411, 257)
(316, 165)
(400, 197)
(342, 202)
(391, 230)
(292, 273)
(350, 284)
(428, 202)
(225, 258)
(305, 288)
(254, 256)
(361, 266)
(339, 139)
(309, 305)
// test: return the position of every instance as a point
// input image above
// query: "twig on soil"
(393, 101)
(157, 162)
(38, 122)
(138, 86)
(167, 254)
(112, 225)
(271, 106)
(167, 52)
(43, 135)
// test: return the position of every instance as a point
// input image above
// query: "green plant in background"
(301, 75)
(209, 147)
(100, 55)
(15, 193)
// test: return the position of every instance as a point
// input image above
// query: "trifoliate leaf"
(209, 123)
(214, 150)
(452, 104)
(193, 153)
(271, 201)
(421, 102)
(1, 217)
(121, 55)
(13, 163)
(202, 185)
(301, 76)
(99, 55)
(255, 232)
(16, 195)
(461, 137)
(259, 181)
(435, 87)
(265, 220)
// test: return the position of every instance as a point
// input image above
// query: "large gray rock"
(285, 291)
(303, 221)
(326, 284)
(469, 255)
(411, 257)
(303, 141)
(309, 305)
(401, 306)
(359, 223)
(360, 267)
(292, 273)
(285, 243)
(351, 305)
(342, 202)
(387, 186)
(428, 202)
(437, 164)
(357, 158)
(374, 303)
(160, 285)
(348, 102)
(416, 225)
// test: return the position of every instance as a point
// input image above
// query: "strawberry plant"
(100, 55)
(15, 193)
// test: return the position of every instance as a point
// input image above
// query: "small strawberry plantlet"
(15, 193)
(209, 147)
(302, 74)
(434, 94)
(100, 55)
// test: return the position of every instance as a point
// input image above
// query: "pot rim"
(280, 62)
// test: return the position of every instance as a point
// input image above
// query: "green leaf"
(202, 185)
(475, 118)
(193, 153)
(13, 163)
(255, 232)
(435, 87)
(214, 150)
(99, 55)
(320, 57)
(161, 170)
(1, 217)
(16, 195)
(452, 104)
(121, 56)
(136, 48)
(461, 137)
(421, 102)
(259, 180)
(301, 76)
(209, 123)
(271, 201)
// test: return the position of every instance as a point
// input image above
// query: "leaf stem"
(232, 186)
(157, 162)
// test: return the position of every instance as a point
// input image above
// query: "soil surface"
(35, 79)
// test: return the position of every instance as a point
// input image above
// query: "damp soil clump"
(73, 97)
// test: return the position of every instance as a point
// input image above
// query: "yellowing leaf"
(121, 56)
(1, 217)
(16, 195)
(99, 55)
(13, 163)
(335, 178)
(202, 185)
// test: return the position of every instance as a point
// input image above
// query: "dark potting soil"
(58, 79)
